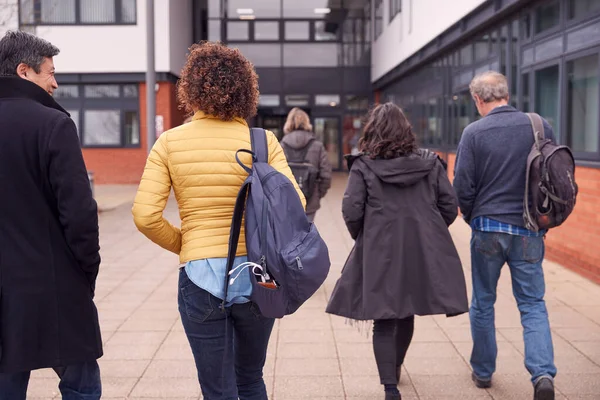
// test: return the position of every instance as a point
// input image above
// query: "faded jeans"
(524, 255)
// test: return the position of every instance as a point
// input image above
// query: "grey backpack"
(305, 173)
(288, 259)
(550, 188)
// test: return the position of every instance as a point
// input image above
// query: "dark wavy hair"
(387, 133)
(219, 81)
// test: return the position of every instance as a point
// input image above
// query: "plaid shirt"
(486, 224)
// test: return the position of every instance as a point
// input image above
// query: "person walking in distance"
(490, 184)
(49, 246)
(397, 207)
(307, 158)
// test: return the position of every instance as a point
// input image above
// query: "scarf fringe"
(364, 327)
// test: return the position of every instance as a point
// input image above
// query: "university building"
(335, 58)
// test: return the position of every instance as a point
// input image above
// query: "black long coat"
(404, 261)
(49, 252)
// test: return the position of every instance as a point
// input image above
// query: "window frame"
(122, 104)
(37, 21)
(569, 22)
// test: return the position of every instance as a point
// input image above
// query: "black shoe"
(389, 396)
(544, 389)
(481, 383)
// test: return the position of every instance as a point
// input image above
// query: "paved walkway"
(313, 355)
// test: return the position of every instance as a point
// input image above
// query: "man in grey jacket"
(298, 141)
(490, 184)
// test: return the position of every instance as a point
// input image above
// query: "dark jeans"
(524, 255)
(230, 348)
(77, 382)
(391, 339)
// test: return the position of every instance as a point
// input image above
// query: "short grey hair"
(489, 86)
(18, 47)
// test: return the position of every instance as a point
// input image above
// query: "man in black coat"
(49, 250)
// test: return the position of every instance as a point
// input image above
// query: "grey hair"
(489, 86)
(18, 47)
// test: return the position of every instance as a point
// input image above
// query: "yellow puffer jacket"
(197, 160)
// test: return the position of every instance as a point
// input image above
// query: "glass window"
(132, 128)
(378, 18)
(354, 102)
(525, 103)
(309, 8)
(99, 91)
(327, 131)
(128, 11)
(66, 92)
(57, 11)
(102, 127)
(256, 8)
(237, 30)
(130, 91)
(331, 100)
(547, 16)
(311, 55)
(214, 9)
(27, 15)
(74, 117)
(583, 94)
(482, 48)
(321, 33)
(297, 30)
(97, 11)
(466, 55)
(214, 30)
(297, 100)
(269, 100)
(547, 96)
(526, 26)
(266, 30)
(583, 8)
(261, 55)
(395, 8)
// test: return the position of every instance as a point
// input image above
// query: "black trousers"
(391, 339)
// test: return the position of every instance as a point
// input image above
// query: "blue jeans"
(524, 255)
(230, 348)
(77, 382)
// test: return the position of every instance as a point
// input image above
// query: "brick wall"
(575, 243)
(117, 166)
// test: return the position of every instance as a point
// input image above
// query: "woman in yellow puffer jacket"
(198, 161)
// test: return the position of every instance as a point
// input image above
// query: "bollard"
(91, 179)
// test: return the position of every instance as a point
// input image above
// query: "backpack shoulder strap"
(537, 125)
(260, 147)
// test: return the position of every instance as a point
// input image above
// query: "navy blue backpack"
(288, 259)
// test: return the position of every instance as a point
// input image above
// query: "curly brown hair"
(387, 133)
(219, 81)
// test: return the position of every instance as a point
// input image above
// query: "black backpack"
(305, 173)
(550, 188)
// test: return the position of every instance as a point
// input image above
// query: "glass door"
(547, 96)
(327, 130)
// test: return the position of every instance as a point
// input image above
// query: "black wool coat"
(49, 248)
(404, 261)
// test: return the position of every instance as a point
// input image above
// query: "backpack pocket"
(307, 264)
(272, 302)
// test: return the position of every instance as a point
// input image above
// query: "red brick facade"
(575, 243)
(125, 165)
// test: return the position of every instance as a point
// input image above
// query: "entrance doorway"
(327, 130)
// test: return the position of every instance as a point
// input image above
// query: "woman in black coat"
(397, 206)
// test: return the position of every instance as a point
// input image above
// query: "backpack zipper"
(299, 262)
